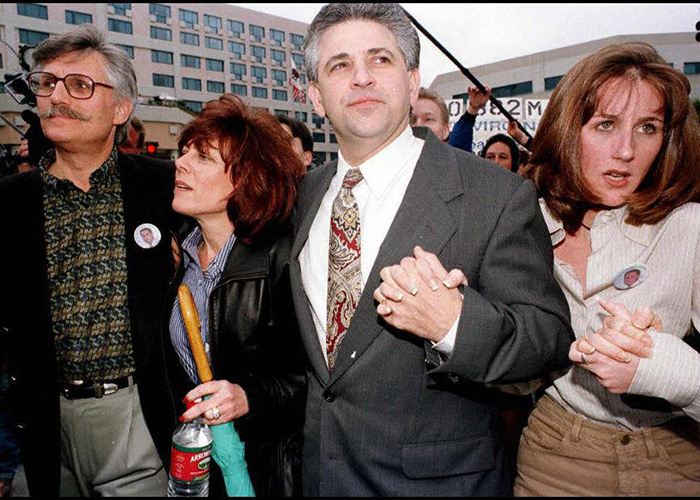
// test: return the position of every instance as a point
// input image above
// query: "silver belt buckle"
(109, 388)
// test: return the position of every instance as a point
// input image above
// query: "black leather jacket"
(255, 342)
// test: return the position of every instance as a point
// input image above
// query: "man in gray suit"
(403, 408)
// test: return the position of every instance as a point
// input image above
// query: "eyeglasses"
(78, 86)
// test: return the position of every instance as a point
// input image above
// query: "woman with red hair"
(236, 178)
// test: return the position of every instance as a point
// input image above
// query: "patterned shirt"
(669, 253)
(87, 274)
(201, 283)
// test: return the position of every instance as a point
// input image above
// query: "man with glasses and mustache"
(81, 301)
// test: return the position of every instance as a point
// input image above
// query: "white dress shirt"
(379, 195)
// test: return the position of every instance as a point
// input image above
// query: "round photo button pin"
(631, 276)
(147, 236)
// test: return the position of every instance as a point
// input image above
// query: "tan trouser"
(106, 449)
(562, 454)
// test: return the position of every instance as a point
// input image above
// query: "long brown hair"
(674, 177)
(263, 167)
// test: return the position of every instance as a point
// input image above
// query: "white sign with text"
(490, 120)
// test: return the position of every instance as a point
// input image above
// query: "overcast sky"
(478, 34)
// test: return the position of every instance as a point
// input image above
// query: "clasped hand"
(612, 354)
(415, 296)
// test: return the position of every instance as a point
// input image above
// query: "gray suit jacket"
(392, 420)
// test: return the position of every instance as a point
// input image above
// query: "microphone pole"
(465, 72)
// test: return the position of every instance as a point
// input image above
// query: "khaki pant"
(106, 449)
(562, 454)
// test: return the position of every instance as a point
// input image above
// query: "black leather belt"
(79, 389)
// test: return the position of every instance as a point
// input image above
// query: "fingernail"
(433, 285)
(399, 298)
(447, 283)
(181, 418)
(414, 290)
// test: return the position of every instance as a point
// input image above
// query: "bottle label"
(190, 464)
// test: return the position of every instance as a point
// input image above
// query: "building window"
(189, 18)
(191, 84)
(194, 106)
(187, 61)
(258, 53)
(161, 33)
(162, 57)
(334, 156)
(0, 60)
(215, 65)
(238, 70)
(259, 92)
(333, 138)
(258, 73)
(257, 32)
(318, 121)
(691, 68)
(163, 80)
(239, 89)
(160, 11)
(279, 95)
(73, 17)
(277, 37)
(298, 60)
(120, 26)
(213, 43)
(120, 8)
(279, 56)
(235, 28)
(551, 82)
(297, 41)
(319, 137)
(189, 38)
(302, 116)
(29, 37)
(33, 10)
(237, 49)
(279, 76)
(215, 87)
(281, 112)
(511, 90)
(128, 50)
(213, 22)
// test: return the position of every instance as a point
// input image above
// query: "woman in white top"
(616, 160)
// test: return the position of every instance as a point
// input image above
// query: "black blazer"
(391, 420)
(25, 318)
(255, 343)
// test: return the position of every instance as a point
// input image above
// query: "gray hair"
(389, 15)
(119, 70)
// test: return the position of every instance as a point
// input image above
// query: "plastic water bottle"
(190, 459)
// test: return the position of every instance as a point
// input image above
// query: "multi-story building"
(184, 54)
(535, 76)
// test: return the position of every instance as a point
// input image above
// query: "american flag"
(295, 81)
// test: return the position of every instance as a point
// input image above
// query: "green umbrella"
(229, 452)
(227, 448)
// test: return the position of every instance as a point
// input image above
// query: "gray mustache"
(57, 111)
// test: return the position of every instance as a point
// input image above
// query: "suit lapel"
(422, 219)
(311, 194)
